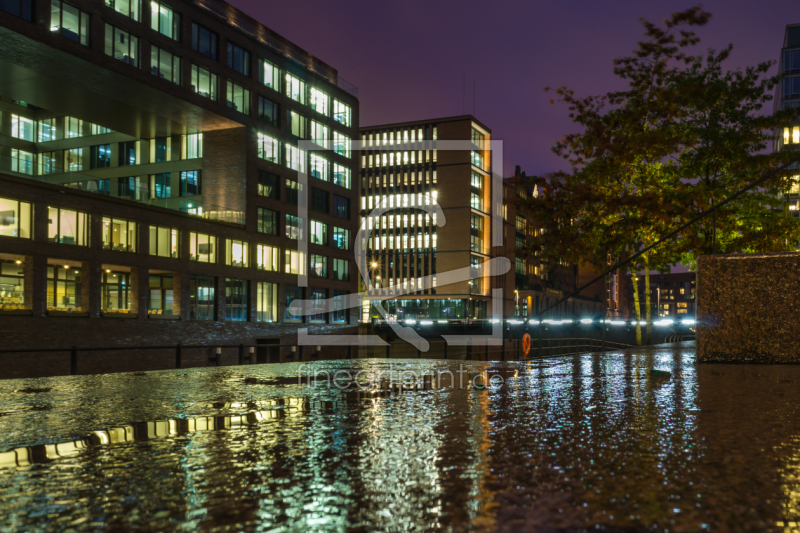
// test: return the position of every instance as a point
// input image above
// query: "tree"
(683, 135)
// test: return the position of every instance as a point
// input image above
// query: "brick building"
(450, 161)
(153, 184)
(671, 295)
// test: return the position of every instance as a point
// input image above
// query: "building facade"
(787, 96)
(403, 166)
(153, 176)
(671, 295)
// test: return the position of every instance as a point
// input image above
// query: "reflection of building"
(671, 295)
(151, 172)
(400, 166)
(787, 95)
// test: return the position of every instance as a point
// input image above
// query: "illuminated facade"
(788, 96)
(151, 171)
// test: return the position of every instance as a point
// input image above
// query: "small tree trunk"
(637, 311)
(649, 336)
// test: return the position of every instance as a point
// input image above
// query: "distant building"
(787, 95)
(671, 295)
(149, 172)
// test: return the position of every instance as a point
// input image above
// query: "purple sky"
(408, 58)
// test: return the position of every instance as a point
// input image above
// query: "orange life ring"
(526, 344)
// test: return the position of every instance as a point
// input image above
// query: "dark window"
(190, 183)
(268, 184)
(100, 156)
(267, 221)
(127, 153)
(238, 59)
(292, 191)
(161, 186)
(339, 314)
(341, 206)
(204, 41)
(319, 200)
(201, 297)
(268, 111)
(18, 8)
(165, 65)
(126, 187)
(161, 149)
(317, 297)
(236, 299)
(293, 292)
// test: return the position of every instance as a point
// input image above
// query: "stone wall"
(748, 308)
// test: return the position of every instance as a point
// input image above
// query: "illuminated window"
(267, 221)
(236, 299)
(165, 21)
(22, 128)
(319, 134)
(341, 175)
(294, 262)
(267, 257)
(238, 98)
(204, 82)
(341, 113)
(22, 161)
(268, 148)
(341, 144)
(63, 288)
(164, 242)
(341, 238)
(270, 75)
(295, 88)
(319, 266)
(295, 158)
(48, 130)
(165, 65)
(236, 253)
(296, 123)
(122, 45)
(293, 292)
(192, 146)
(15, 218)
(119, 235)
(202, 304)
(66, 226)
(318, 233)
(294, 227)
(69, 21)
(318, 101)
(319, 167)
(202, 248)
(341, 269)
(115, 291)
(266, 302)
(268, 184)
(129, 8)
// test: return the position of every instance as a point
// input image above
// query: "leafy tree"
(683, 135)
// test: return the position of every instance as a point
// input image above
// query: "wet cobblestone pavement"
(592, 442)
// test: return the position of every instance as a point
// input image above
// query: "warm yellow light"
(796, 135)
(66, 267)
(108, 271)
(374, 264)
(19, 262)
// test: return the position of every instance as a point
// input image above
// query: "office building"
(787, 96)
(150, 176)
(671, 295)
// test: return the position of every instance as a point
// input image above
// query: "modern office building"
(671, 295)
(407, 252)
(151, 171)
(787, 96)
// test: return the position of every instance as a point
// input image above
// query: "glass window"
(73, 127)
(319, 233)
(66, 226)
(238, 59)
(164, 242)
(295, 88)
(73, 159)
(48, 130)
(319, 134)
(165, 65)
(161, 296)
(341, 206)
(293, 292)
(293, 189)
(341, 144)
(19, 8)
(238, 98)
(204, 82)
(119, 235)
(22, 161)
(192, 146)
(97, 129)
(268, 184)
(129, 8)
(294, 227)
(341, 175)
(319, 266)
(341, 238)
(202, 248)
(204, 41)
(69, 21)
(341, 269)
(202, 305)
(160, 149)
(100, 156)
(295, 158)
(22, 128)
(317, 297)
(165, 21)
(296, 123)
(267, 221)
(319, 167)
(294, 262)
(115, 290)
(266, 302)
(236, 253)
(46, 162)
(268, 111)
(161, 186)
(12, 285)
(318, 101)
(270, 75)
(267, 257)
(341, 113)
(339, 314)
(63, 288)
(15, 218)
(236, 300)
(319, 200)
(122, 45)
(190, 182)
(268, 148)
(128, 153)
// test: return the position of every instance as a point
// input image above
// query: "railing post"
(73, 361)
(178, 356)
(241, 354)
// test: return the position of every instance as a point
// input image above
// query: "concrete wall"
(748, 308)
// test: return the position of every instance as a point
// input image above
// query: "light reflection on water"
(567, 443)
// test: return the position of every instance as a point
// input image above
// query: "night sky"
(408, 58)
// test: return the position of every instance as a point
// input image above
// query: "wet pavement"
(592, 442)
